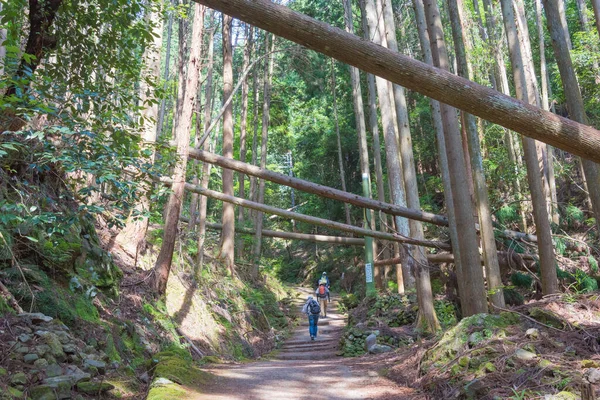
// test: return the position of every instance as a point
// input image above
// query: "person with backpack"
(324, 279)
(322, 293)
(312, 309)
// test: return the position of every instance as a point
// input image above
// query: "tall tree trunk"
(436, 116)
(2, 47)
(573, 95)
(596, 7)
(185, 97)
(163, 102)
(488, 241)
(132, 237)
(474, 298)
(534, 174)
(256, 97)
(269, 65)
(361, 132)
(228, 233)
(427, 319)
(549, 161)
(394, 169)
(40, 41)
(496, 44)
(206, 167)
(243, 130)
(339, 142)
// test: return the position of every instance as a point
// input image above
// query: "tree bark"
(163, 102)
(39, 42)
(315, 188)
(256, 97)
(573, 96)
(394, 168)
(228, 216)
(2, 48)
(427, 319)
(258, 224)
(596, 7)
(206, 167)
(441, 145)
(339, 141)
(307, 218)
(488, 240)
(475, 296)
(441, 85)
(243, 130)
(186, 97)
(534, 176)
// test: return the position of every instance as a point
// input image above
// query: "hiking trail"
(304, 369)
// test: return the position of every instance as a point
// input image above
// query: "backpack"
(314, 307)
(322, 291)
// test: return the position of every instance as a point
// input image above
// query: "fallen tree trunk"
(317, 189)
(441, 258)
(307, 218)
(290, 235)
(440, 85)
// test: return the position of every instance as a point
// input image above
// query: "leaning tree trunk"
(258, 224)
(339, 141)
(534, 175)
(573, 95)
(243, 132)
(186, 98)
(488, 240)
(475, 296)
(228, 216)
(394, 167)
(427, 319)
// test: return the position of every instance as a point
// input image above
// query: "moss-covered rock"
(546, 317)
(178, 369)
(94, 387)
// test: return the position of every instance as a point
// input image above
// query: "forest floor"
(303, 369)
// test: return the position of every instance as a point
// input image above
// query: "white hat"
(309, 298)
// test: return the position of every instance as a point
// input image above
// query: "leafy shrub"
(446, 313)
(521, 280)
(507, 214)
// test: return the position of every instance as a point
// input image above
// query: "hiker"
(324, 279)
(312, 309)
(323, 297)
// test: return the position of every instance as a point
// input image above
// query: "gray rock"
(63, 337)
(592, 375)
(18, 379)
(41, 363)
(42, 349)
(22, 349)
(370, 341)
(30, 358)
(24, 337)
(53, 370)
(94, 387)
(36, 318)
(145, 377)
(55, 345)
(162, 382)
(525, 355)
(70, 348)
(100, 365)
(64, 380)
(532, 333)
(380, 348)
(42, 392)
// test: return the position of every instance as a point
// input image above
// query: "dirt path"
(304, 369)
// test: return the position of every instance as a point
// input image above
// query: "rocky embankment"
(46, 362)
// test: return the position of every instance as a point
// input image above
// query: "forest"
(177, 177)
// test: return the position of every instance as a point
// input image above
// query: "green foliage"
(508, 214)
(446, 313)
(583, 283)
(573, 215)
(512, 297)
(520, 279)
(593, 264)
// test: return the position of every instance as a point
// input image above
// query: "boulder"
(380, 348)
(18, 379)
(56, 347)
(53, 370)
(42, 392)
(592, 375)
(99, 365)
(370, 341)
